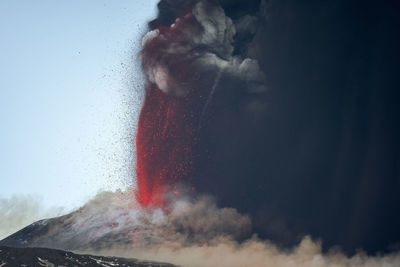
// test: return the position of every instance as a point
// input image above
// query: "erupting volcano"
(281, 117)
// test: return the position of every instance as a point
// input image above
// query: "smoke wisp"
(17, 212)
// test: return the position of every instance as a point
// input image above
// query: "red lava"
(163, 141)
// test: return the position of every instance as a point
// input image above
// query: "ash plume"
(295, 118)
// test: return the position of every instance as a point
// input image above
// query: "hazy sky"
(70, 92)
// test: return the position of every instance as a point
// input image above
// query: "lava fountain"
(164, 140)
(167, 122)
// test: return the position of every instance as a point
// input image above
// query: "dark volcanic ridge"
(52, 257)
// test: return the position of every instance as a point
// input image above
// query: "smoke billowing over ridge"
(192, 232)
(195, 232)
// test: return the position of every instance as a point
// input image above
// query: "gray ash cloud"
(194, 43)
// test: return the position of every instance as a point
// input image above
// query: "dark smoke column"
(317, 153)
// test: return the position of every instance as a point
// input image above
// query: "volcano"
(285, 111)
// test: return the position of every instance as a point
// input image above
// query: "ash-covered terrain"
(52, 257)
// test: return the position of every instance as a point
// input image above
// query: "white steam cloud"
(17, 212)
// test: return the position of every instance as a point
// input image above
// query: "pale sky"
(70, 93)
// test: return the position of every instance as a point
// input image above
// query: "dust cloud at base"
(195, 232)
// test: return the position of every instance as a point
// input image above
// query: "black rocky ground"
(51, 258)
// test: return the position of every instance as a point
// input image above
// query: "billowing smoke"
(175, 56)
(194, 231)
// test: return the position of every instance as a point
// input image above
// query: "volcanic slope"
(52, 257)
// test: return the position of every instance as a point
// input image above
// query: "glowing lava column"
(163, 141)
